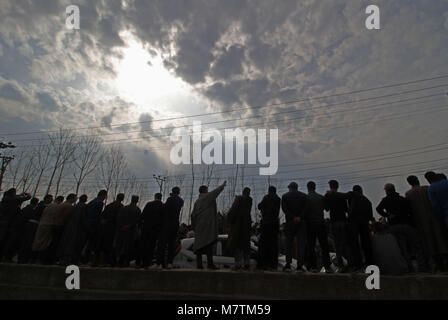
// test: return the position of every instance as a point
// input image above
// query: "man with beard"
(151, 222)
(295, 205)
(26, 253)
(107, 230)
(268, 244)
(240, 222)
(9, 209)
(204, 220)
(69, 248)
(127, 221)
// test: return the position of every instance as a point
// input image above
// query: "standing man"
(337, 205)
(17, 230)
(268, 244)
(204, 220)
(240, 222)
(295, 205)
(360, 214)
(397, 210)
(170, 226)
(317, 229)
(9, 210)
(92, 223)
(107, 228)
(60, 219)
(44, 233)
(69, 250)
(151, 222)
(127, 222)
(428, 225)
(26, 253)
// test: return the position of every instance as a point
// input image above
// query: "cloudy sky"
(362, 106)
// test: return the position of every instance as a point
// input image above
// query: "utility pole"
(5, 160)
(160, 181)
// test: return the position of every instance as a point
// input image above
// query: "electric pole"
(5, 160)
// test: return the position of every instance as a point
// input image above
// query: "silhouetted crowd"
(410, 236)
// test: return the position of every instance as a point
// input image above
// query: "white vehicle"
(186, 258)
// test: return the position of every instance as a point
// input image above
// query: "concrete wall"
(48, 282)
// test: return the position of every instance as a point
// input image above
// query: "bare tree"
(86, 159)
(28, 173)
(111, 169)
(41, 154)
(15, 168)
(62, 147)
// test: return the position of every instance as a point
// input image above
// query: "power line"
(246, 108)
(272, 114)
(128, 140)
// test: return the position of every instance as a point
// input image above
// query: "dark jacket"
(360, 208)
(152, 215)
(316, 212)
(108, 226)
(127, 221)
(10, 207)
(38, 212)
(240, 222)
(396, 209)
(270, 209)
(295, 204)
(336, 203)
(93, 212)
(171, 210)
(438, 195)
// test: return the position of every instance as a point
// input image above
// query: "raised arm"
(215, 193)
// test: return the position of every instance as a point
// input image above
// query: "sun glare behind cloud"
(143, 80)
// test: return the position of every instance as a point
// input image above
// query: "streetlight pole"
(160, 180)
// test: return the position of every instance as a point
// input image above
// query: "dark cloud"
(146, 125)
(229, 63)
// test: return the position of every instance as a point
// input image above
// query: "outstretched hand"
(224, 183)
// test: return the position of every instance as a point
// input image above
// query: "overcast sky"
(142, 61)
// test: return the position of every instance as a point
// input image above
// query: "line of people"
(71, 232)
(410, 236)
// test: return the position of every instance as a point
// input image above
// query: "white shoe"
(155, 267)
(169, 266)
